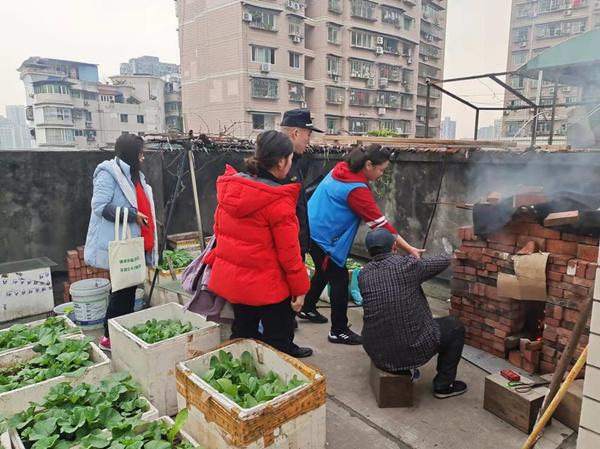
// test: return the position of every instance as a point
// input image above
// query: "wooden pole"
(196, 203)
(554, 404)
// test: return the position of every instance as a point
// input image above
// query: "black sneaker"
(346, 337)
(313, 316)
(299, 352)
(455, 389)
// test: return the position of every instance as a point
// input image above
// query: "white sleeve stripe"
(381, 221)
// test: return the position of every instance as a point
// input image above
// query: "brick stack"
(493, 323)
(78, 270)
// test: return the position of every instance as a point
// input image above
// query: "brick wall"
(494, 323)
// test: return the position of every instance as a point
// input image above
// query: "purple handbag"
(194, 280)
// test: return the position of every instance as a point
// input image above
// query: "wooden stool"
(391, 390)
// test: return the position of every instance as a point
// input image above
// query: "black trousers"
(337, 277)
(277, 320)
(119, 303)
(452, 340)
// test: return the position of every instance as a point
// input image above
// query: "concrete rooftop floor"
(355, 422)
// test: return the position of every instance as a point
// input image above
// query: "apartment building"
(148, 65)
(537, 25)
(67, 105)
(358, 65)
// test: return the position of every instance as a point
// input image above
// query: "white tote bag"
(126, 258)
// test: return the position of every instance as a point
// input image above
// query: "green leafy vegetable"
(179, 258)
(239, 380)
(153, 331)
(20, 335)
(61, 357)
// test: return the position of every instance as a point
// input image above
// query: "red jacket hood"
(241, 196)
(342, 172)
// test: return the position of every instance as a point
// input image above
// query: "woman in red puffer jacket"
(256, 264)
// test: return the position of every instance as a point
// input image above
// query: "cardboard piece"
(529, 283)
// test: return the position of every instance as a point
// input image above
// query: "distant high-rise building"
(448, 128)
(486, 133)
(359, 65)
(7, 134)
(148, 65)
(16, 114)
(535, 26)
(68, 106)
(497, 128)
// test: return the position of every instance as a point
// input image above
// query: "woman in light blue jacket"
(119, 182)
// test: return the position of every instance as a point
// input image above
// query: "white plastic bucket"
(139, 300)
(59, 310)
(90, 299)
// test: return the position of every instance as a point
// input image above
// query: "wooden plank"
(517, 409)
(569, 410)
(357, 140)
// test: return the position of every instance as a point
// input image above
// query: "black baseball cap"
(299, 118)
(380, 238)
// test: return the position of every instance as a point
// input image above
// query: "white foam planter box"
(17, 442)
(153, 365)
(294, 420)
(73, 330)
(14, 401)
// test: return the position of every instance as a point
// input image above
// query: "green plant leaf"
(42, 429)
(157, 444)
(98, 439)
(45, 443)
(180, 420)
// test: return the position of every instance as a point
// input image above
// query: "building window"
(391, 46)
(519, 57)
(391, 15)
(575, 27)
(295, 92)
(333, 33)
(571, 100)
(334, 65)
(59, 136)
(549, 6)
(516, 103)
(57, 114)
(408, 22)
(390, 72)
(387, 100)
(140, 119)
(512, 128)
(521, 35)
(295, 59)
(79, 133)
(406, 102)
(90, 96)
(88, 116)
(263, 19)
(333, 125)
(358, 125)
(360, 68)
(360, 97)
(517, 82)
(107, 98)
(397, 126)
(427, 71)
(263, 121)
(295, 26)
(262, 54)
(52, 88)
(548, 30)
(524, 10)
(264, 88)
(124, 118)
(75, 94)
(363, 9)
(363, 39)
(335, 95)
(335, 6)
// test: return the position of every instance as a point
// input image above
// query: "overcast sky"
(108, 32)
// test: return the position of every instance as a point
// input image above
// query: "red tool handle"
(510, 375)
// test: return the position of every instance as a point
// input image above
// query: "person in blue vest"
(335, 211)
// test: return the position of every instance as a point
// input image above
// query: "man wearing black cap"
(399, 331)
(297, 125)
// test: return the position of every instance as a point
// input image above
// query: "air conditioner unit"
(379, 40)
(409, 61)
(370, 82)
(379, 50)
(86, 103)
(523, 44)
(265, 67)
(247, 17)
(425, 57)
(568, 12)
(296, 38)
(335, 78)
(293, 5)
(383, 82)
(551, 90)
(421, 118)
(381, 111)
